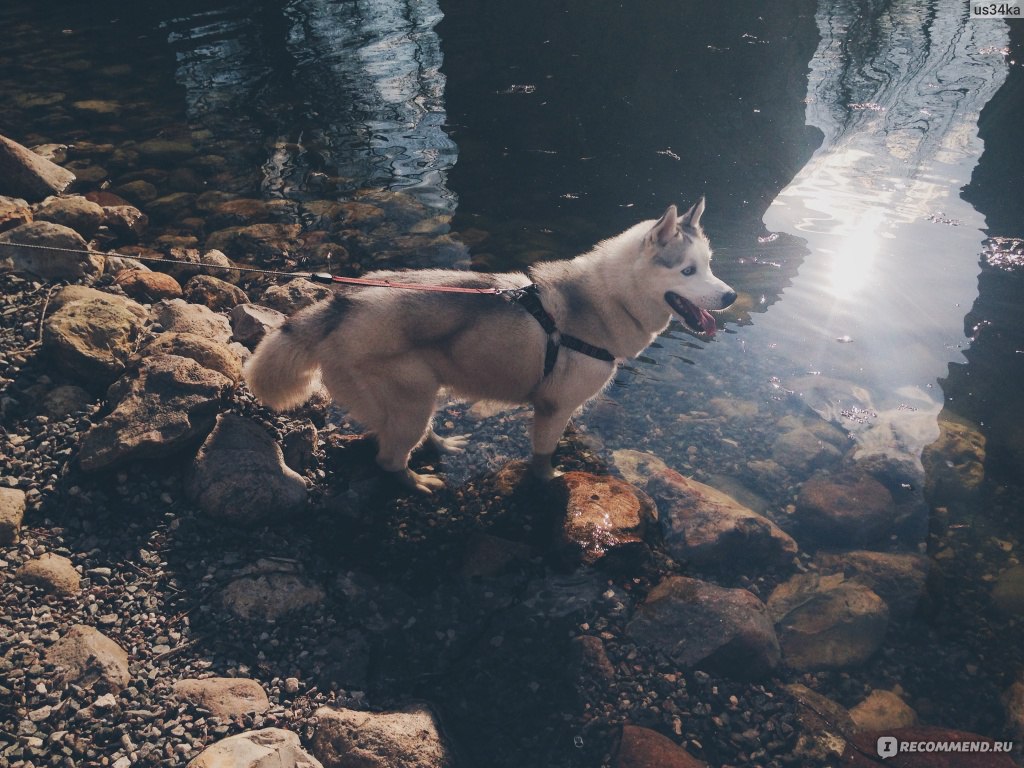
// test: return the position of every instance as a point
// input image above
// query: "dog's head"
(676, 258)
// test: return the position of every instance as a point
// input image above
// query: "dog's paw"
(452, 444)
(542, 469)
(421, 483)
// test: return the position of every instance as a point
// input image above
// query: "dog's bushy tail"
(283, 372)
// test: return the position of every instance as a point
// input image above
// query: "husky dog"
(551, 339)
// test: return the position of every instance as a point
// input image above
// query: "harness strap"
(529, 299)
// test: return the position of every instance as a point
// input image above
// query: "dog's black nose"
(728, 299)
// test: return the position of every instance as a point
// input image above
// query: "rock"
(12, 513)
(703, 526)
(239, 475)
(488, 555)
(732, 408)
(826, 622)
(168, 403)
(251, 322)
(139, 192)
(173, 207)
(179, 316)
(166, 151)
(299, 446)
(863, 747)
(66, 400)
(214, 355)
(147, 286)
(637, 467)
(294, 295)
(697, 623)
(225, 697)
(954, 464)
(590, 660)
(800, 448)
(72, 293)
(845, 510)
(25, 174)
(54, 573)
(347, 738)
(39, 255)
(126, 221)
(1013, 707)
(213, 259)
(644, 748)
(13, 212)
(602, 514)
(88, 658)
(900, 579)
(269, 590)
(93, 338)
(74, 212)
(266, 748)
(116, 264)
(883, 711)
(214, 293)
(256, 242)
(824, 726)
(242, 211)
(1008, 591)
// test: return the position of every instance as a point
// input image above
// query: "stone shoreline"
(189, 577)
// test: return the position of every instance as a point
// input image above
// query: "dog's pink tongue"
(707, 322)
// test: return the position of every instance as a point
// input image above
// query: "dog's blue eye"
(689, 271)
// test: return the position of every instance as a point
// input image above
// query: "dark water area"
(861, 161)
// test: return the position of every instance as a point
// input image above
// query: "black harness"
(529, 299)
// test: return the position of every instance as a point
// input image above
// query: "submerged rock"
(898, 578)
(25, 174)
(1008, 592)
(86, 657)
(954, 464)
(51, 251)
(704, 526)
(602, 514)
(862, 749)
(637, 466)
(883, 711)
(826, 622)
(644, 748)
(409, 738)
(845, 510)
(240, 475)
(269, 590)
(824, 725)
(699, 624)
(266, 748)
(170, 402)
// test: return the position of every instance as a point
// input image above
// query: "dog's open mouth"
(698, 319)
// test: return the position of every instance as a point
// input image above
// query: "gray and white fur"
(384, 354)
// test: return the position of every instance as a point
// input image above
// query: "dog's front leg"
(548, 425)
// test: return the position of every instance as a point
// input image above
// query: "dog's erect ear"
(665, 228)
(691, 219)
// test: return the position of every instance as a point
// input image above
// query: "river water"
(861, 162)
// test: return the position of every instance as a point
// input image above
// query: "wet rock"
(211, 354)
(590, 659)
(239, 475)
(12, 512)
(269, 590)
(225, 697)
(846, 509)
(1013, 707)
(294, 295)
(1008, 591)
(40, 256)
(168, 403)
(900, 579)
(86, 657)
(147, 286)
(602, 514)
(824, 726)
(323, 214)
(347, 738)
(54, 573)
(173, 207)
(701, 525)
(73, 211)
(826, 622)
(801, 448)
(139, 192)
(214, 293)
(883, 711)
(954, 464)
(251, 322)
(126, 221)
(644, 748)
(25, 174)
(488, 555)
(13, 213)
(360, 215)
(178, 316)
(256, 242)
(93, 338)
(700, 624)
(165, 151)
(266, 748)
(862, 750)
(637, 467)
(243, 211)
(98, 106)
(732, 408)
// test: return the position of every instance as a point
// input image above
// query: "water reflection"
(893, 261)
(351, 92)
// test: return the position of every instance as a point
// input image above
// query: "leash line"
(317, 277)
